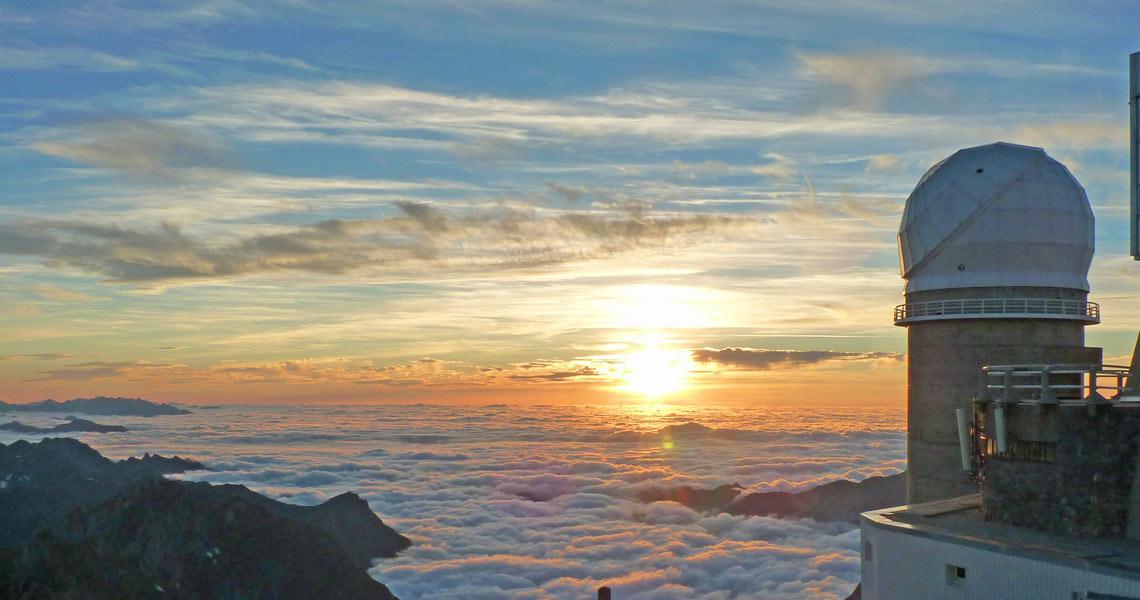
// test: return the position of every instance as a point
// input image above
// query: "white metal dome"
(996, 215)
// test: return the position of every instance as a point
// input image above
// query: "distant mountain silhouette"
(100, 405)
(80, 525)
(836, 501)
(702, 500)
(156, 463)
(73, 424)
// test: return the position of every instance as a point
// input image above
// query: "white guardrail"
(1058, 384)
(998, 308)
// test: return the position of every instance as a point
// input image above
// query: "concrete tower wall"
(944, 372)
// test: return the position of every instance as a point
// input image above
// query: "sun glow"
(655, 372)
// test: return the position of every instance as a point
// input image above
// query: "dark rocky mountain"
(836, 501)
(73, 424)
(165, 465)
(100, 406)
(702, 500)
(87, 527)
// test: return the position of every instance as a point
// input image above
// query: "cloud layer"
(420, 237)
(755, 359)
(515, 502)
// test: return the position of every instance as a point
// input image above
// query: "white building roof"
(996, 215)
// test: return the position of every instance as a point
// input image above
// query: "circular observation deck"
(998, 308)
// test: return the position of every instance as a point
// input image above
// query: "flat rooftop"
(959, 520)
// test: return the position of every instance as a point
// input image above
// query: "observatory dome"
(994, 216)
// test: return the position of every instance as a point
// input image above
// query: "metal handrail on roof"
(1063, 384)
(998, 308)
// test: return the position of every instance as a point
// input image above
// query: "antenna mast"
(1134, 153)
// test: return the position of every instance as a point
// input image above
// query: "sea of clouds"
(509, 501)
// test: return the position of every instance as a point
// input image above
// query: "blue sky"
(398, 200)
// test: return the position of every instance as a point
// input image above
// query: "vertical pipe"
(604, 593)
(1134, 158)
(964, 440)
(999, 428)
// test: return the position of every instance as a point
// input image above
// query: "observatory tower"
(995, 244)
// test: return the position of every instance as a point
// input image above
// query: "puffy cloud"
(756, 359)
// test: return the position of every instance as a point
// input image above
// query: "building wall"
(944, 363)
(1086, 490)
(905, 566)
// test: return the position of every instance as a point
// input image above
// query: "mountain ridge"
(85, 526)
(98, 406)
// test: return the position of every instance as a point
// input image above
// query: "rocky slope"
(100, 405)
(87, 527)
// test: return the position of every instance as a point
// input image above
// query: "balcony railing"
(1058, 384)
(998, 308)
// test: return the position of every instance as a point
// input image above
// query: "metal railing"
(998, 308)
(1058, 384)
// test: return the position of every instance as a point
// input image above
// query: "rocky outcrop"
(84, 526)
(702, 500)
(73, 425)
(165, 465)
(100, 405)
(836, 501)
(840, 500)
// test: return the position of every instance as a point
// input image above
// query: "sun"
(655, 371)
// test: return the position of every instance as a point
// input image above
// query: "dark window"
(868, 552)
(955, 575)
(1019, 450)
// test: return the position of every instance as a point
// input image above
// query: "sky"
(512, 200)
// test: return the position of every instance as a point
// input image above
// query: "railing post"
(1094, 398)
(1094, 395)
(1047, 395)
(1008, 396)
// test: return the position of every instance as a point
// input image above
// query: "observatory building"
(995, 245)
(1022, 446)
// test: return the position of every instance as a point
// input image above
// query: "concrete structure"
(946, 550)
(995, 245)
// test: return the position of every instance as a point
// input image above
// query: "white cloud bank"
(540, 502)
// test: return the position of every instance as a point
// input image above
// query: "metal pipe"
(1133, 156)
(999, 429)
(964, 440)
